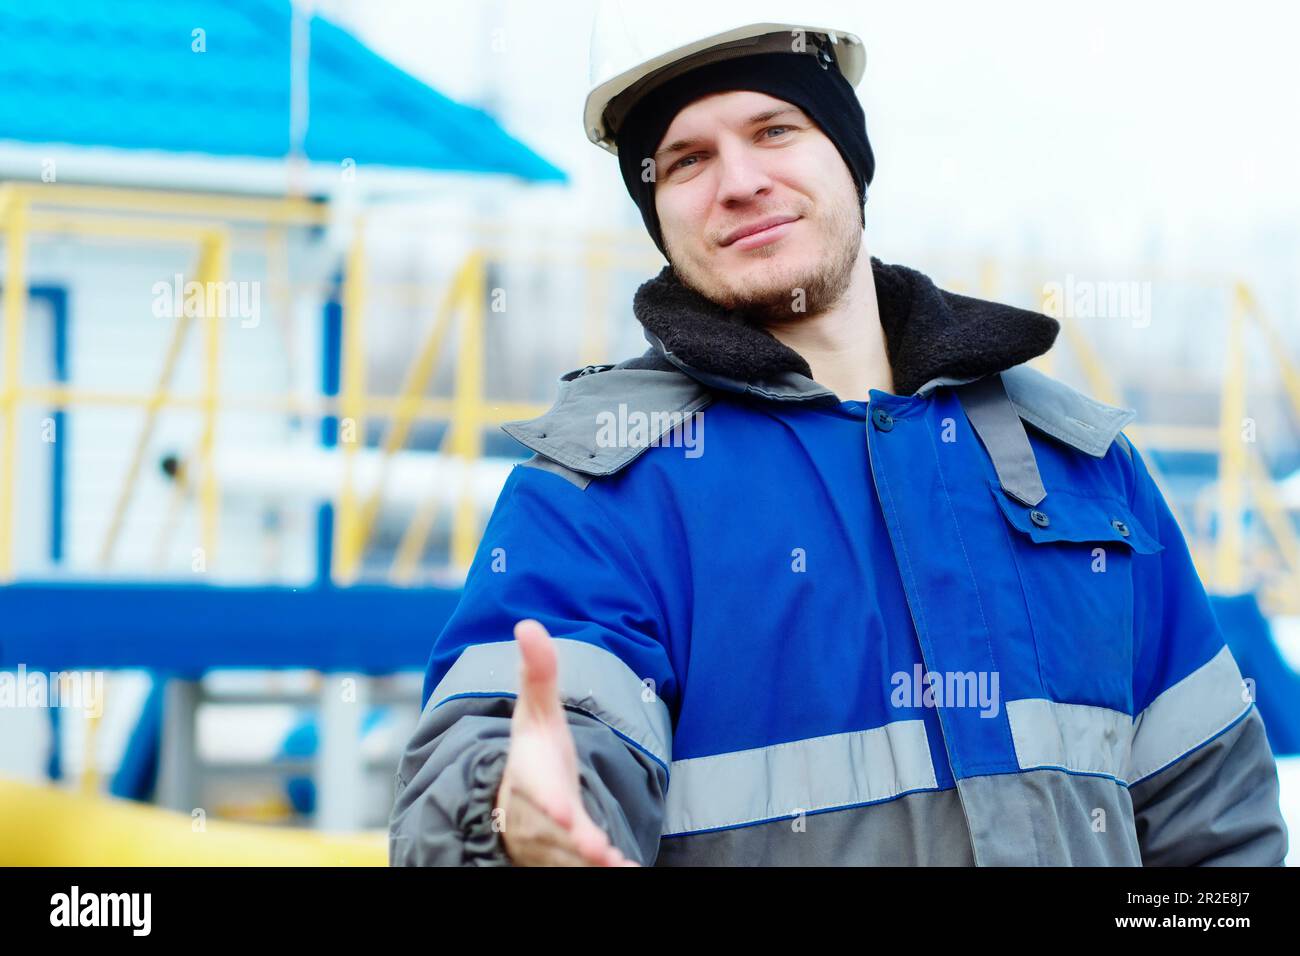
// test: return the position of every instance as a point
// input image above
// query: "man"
(873, 619)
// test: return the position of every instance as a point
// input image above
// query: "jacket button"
(1119, 526)
(882, 419)
(1039, 518)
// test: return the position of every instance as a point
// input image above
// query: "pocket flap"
(1062, 516)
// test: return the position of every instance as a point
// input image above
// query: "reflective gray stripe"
(819, 773)
(1188, 714)
(1100, 740)
(591, 679)
(1070, 736)
(1000, 429)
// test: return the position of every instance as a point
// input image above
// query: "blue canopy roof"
(124, 74)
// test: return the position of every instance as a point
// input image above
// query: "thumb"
(539, 693)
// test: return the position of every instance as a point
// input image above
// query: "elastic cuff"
(483, 845)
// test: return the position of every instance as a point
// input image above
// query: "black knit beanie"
(809, 81)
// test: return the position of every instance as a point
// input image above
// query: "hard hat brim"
(849, 54)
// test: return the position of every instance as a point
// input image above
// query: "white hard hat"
(635, 45)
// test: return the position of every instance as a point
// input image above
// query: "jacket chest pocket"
(1075, 557)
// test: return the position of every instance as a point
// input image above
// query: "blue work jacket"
(954, 626)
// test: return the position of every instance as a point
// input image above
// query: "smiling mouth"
(754, 229)
(761, 233)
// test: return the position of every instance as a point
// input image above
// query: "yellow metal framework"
(1242, 471)
(207, 221)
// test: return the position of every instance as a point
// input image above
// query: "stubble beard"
(780, 294)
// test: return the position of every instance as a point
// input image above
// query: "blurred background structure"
(272, 274)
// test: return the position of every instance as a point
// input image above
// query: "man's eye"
(778, 129)
(675, 166)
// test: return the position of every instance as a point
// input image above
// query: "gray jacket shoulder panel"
(581, 431)
(573, 438)
(1065, 413)
(543, 463)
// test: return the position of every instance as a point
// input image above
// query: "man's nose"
(742, 173)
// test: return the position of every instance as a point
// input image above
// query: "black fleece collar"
(929, 332)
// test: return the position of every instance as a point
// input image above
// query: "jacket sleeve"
(549, 552)
(1202, 778)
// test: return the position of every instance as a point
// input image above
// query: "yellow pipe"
(466, 426)
(44, 826)
(1045, 363)
(151, 229)
(15, 315)
(213, 267)
(426, 409)
(167, 202)
(990, 279)
(352, 424)
(180, 331)
(180, 493)
(416, 533)
(417, 378)
(292, 211)
(1099, 382)
(409, 549)
(90, 759)
(1232, 452)
(1103, 388)
(1274, 513)
(1278, 349)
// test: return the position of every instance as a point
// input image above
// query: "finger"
(592, 842)
(613, 857)
(539, 694)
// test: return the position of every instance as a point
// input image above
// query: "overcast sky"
(1111, 130)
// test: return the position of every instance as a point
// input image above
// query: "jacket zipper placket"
(911, 610)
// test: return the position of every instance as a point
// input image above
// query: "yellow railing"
(1241, 469)
(207, 222)
(13, 208)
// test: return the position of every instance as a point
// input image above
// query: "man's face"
(733, 163)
